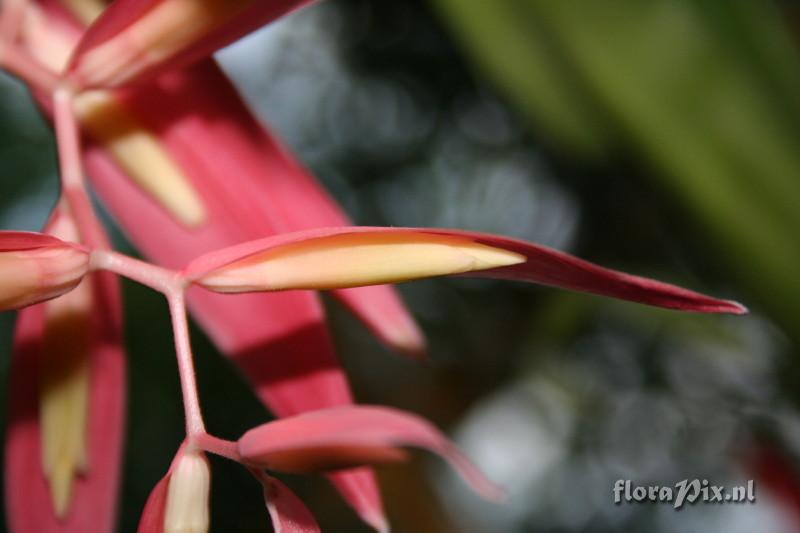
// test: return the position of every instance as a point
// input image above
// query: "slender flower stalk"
(73, 187)
(155, 277)
(191, 403)
(172, 285)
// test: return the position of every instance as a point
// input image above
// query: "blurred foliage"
(707, 92)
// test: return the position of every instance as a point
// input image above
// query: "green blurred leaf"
(706, 91)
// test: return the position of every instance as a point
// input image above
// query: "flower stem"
(191, 403)
(218, 446)
(157, 278)
(73, 188)
(173, 286)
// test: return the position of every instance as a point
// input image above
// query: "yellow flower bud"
(187, 496)
(357, 259)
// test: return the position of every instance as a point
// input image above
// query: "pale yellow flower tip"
(357, 259)
(187, 495)
(31, 276)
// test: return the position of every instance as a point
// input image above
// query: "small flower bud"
(32, 274)
(187, 496)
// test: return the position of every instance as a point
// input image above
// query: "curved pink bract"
(345, 436)
(543, 265)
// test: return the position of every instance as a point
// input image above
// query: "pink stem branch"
(73, 189)
(191, 403)
(157, 278)
(171, 284)
(218, 446)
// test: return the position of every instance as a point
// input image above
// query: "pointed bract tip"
(408, 340)
(471, 474)
(378, 522)
(382, 310)
(729, 307)
(737, 308)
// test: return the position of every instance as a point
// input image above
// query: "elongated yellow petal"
(353, 260)
(140, 155)
(64, 392)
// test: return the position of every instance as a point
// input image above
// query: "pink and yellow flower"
(215, 200)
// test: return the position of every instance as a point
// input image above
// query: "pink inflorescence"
(130, 89)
